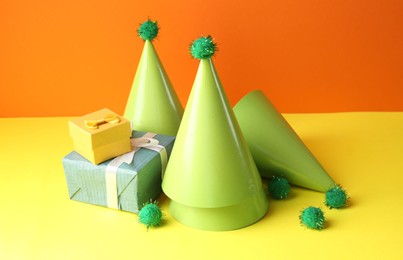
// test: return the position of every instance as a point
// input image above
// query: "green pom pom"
(150, 215)
(313, 218)
(336, 197)
(203, 48)
(279, 188)
(148, 30)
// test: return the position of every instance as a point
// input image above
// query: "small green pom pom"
(150, 215)
(313, 218)
(279, 188)
(336, 197)
(148, 30)
(203, 48)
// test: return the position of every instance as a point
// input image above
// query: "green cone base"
(275, 147)
(153, 105)
(232, 217)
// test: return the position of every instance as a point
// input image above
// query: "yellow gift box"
(101, 135)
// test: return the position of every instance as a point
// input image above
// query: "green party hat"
(276, 148)
(211, 177)
(153, 105)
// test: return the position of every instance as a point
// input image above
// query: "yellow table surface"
(361, 151)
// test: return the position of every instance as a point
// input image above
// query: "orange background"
(66, 58)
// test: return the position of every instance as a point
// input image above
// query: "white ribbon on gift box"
(147, 141)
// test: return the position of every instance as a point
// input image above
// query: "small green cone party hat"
(153, 105)
(276, 148)
(211, 178)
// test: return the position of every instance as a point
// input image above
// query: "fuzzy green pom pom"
(279, 188)
(336, 197)
(148, 30)
(150, 215)
(203, 48)
(313, 218)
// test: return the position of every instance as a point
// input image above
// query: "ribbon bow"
(148, 142)
(94, 124)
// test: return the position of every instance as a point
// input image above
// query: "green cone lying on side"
(275, 147)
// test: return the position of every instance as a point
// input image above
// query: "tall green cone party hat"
(211, 178)
(153, 105)
(276, 148)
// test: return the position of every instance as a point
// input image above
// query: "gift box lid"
(104, 133)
